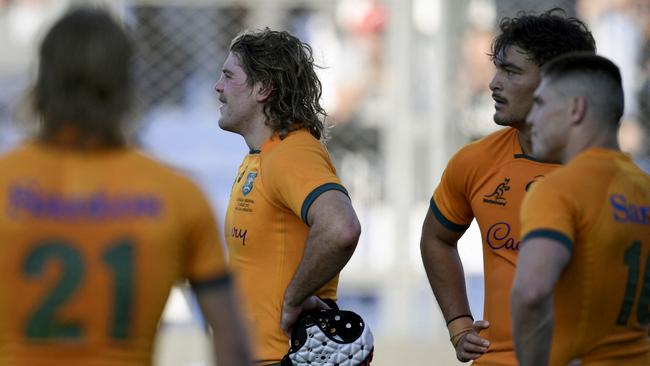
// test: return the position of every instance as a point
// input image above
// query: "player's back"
(91, 245)
(601, 299)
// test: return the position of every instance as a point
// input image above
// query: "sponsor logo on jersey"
(239, 234)
(248, 184)
(33, 202)
(626, 212)
(500, 236)
(496, 197)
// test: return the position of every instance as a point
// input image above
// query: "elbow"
(530, 296)
(348, 235)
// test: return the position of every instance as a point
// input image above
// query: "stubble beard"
(503, 120)
(509, 120)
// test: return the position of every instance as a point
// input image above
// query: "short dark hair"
(285, 64)
(544, 36)
(84, 78)
(600, 76)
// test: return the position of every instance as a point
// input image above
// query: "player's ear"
(578, 109)
(263, 92)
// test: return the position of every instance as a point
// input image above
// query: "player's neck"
(68, 137)
(257, 134)
(594, 140)
(523, 135)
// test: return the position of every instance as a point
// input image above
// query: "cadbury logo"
(498, 237)
(239, 234)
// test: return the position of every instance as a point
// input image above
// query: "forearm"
(539, 265)
(326, 253)
(230, 343)
(229, 337)
(446, 277)
(532, 330)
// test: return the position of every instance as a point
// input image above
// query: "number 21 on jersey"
(117, 258)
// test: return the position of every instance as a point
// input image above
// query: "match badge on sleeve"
(248, 184)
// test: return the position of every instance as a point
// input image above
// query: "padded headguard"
(330, 338)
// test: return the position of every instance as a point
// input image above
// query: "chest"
(254, 217)
(497, 198)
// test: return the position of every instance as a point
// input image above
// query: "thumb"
(480, 325)
(313, 303)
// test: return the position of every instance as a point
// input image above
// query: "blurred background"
(405, 83)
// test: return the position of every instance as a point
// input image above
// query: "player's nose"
(495, 84)
(218, 86)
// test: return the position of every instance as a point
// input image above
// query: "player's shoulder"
(20, 152)
(153, 169)
(296, 146)
(486, 151)
(498, 142)
(566, 175)
(299, 139)
(587, 171)
(600, 163)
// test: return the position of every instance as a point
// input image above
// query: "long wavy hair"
(84, 79)
(285, 65)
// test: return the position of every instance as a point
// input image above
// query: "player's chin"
(502, 119)
(224, 125)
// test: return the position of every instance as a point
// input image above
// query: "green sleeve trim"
(213, 283)
(311, 197)
(444, 221)
(550, 234)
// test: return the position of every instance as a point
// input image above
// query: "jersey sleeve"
(204, 256)
(450, 202)
(298, 174)
(549, 212)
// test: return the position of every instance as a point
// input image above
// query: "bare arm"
(229, 339)
(333, 234)
(540, 263)
(444, 269)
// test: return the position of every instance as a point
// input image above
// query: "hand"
(471, 346)
(291, 313)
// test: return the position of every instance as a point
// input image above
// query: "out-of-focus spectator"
(476, 71)
(352, 53)
(620, 29)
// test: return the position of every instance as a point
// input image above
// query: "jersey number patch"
(118, 259)
(632, 258)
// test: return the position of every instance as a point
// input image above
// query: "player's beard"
(510, 119)
(507, 120)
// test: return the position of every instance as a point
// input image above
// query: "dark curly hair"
(84, 78)
(285, 64)
(543, 37)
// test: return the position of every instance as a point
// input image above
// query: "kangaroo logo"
(496, 197)
(248, 184)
